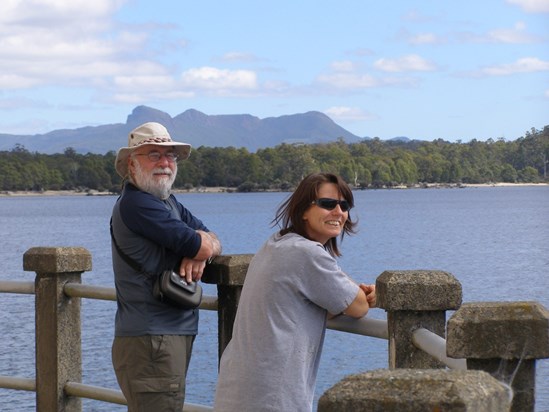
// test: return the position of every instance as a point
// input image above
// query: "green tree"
(509, 174)
(529, 175)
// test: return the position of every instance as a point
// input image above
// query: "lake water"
(495, 240)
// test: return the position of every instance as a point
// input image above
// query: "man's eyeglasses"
(156, 156)
(330, 204)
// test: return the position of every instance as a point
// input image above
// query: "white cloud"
(411, 62)
(211, 78)
(239, 57)
(515, 35)
(14, 82)
(361, 52)
(425, 38)
(348, 80)
(343, 66)
(356, 82)
(343, 113)
(145, 82)
(77, 43)
(524, 65)
(145, 95)
(419, 17)
(68, 43)
(532, 6)
(346, 76)
(57, 15)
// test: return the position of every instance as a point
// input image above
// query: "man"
(152, 232)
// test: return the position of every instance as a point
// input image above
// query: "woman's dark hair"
(289, 216)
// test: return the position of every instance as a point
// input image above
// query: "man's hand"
(216, 244)
(210, 246)
(192, 269)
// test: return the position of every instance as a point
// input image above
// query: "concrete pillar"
(503, 339)
(58, 330)
(415, 299)
(228, 273)
(412, 390)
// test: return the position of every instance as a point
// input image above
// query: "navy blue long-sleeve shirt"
(149, 231)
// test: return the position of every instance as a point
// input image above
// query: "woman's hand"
(370, 291)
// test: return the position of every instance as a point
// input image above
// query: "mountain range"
(191, 126)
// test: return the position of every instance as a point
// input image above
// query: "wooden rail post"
(228, 273)
(415, 299)
(58, 328)
(503, 339)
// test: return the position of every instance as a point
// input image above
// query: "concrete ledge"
(227, 270)
(418, 290)
(504, 330)
(412, 390)
(57, 260)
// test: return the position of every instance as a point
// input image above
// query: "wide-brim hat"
(148, 133)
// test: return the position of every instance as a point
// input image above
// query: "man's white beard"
(159, 186)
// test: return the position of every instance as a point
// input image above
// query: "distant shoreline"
(234, 190)
(24, 193)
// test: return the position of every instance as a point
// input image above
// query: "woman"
(293, 284)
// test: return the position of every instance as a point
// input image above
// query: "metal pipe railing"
(375, 328)
(97, 393)
(13, 286)
(435, 346)
(79, 290)
(112, 396)
(20, 384)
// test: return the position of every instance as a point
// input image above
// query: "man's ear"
(130, 165)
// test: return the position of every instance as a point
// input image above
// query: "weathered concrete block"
(229, 270)
(402, 351)
(418, 290)
(504, 330)
(57, 260)
(503, 339)
(57, 323)
(412, 390)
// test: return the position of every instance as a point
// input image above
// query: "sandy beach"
(8, 193)
(233, 189)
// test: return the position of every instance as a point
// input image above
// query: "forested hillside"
(371, 163)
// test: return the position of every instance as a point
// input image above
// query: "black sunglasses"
(330, 204)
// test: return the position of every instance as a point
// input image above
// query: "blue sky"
(456, 70)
